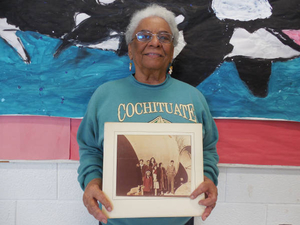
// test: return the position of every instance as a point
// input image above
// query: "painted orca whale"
(210, 40)
(258, 43)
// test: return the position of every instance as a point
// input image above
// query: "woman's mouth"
(153, 54)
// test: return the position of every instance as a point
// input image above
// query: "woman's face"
(152, 55)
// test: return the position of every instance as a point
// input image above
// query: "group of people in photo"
(154, 178)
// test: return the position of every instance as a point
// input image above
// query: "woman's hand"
(211, 195)
(92, 195)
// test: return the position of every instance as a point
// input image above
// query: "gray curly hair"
(152, 10)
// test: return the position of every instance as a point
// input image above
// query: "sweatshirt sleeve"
(210, 139)
(90, 148)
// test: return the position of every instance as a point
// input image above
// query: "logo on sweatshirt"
(186, 111)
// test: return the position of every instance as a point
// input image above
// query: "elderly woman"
(148, 95)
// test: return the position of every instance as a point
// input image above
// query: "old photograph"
(153, 165)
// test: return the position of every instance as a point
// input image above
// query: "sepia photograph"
(153, 165)
(150, 164)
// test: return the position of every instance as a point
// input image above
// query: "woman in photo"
(148, 184)
(155, 181)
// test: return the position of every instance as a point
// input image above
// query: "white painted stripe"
(259, 44)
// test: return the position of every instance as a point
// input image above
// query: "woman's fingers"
(92, 195)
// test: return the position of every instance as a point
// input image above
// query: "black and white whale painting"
(235, 52)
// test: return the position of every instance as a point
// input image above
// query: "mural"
(243, 55)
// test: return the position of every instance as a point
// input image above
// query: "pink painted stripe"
(74, 153)
(293, 34)
(241, 141)
(34, 138)
(259, 142)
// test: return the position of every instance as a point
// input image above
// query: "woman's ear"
(130, 52)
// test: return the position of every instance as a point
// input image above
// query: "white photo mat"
(151, 206)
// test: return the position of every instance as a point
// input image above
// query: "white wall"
(47, 193)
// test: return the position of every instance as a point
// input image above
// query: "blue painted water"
(228, 96)
(53, 86)
(63, 86)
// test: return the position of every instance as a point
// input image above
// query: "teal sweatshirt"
(127, 100)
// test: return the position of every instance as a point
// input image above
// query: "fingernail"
(192, 196)
(109, 209)
(104, 221)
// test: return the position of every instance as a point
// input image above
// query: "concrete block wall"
(47, 193)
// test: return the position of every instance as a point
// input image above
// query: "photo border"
(128, 207)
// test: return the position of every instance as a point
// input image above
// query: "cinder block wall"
(47, 193)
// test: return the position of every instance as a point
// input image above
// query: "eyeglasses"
(146, 36)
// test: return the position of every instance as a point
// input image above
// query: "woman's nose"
(155, 41)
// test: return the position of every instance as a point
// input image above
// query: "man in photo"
(171, 172)
(144, 168)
